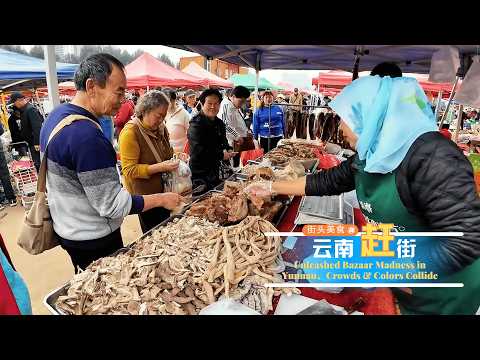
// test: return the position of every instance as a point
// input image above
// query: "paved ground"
(49, 270)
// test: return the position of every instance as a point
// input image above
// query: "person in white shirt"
(177, 122)
(233, 118)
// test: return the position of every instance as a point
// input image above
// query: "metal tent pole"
(52, 80)
(256, 90)
(269, 125)
(459, 121)
(449, 101)
(439, 100)
(37, 98)
(356, 66)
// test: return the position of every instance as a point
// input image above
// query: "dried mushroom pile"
(180, 269)
(233, 205)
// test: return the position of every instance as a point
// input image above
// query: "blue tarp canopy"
(410, 58)
(14, 66)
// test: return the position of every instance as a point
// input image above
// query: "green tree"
(165, 59)
(14, 48)
(37, 51)
(71, 59)
(89, 50)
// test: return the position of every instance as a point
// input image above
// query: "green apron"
(380, 203)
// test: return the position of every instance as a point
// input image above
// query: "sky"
(299, 78)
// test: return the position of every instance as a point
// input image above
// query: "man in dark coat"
(31, 123)
(15, 127)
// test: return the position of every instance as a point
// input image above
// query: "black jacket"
(436, 183)
(207, 140)
(13, 126)
(32, 122)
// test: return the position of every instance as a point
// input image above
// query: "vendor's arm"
(437, 183)
(333, 181)
(293, 187)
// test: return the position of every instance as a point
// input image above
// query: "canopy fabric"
(209, 79)
(64, 88)
(249, 80)
(66, 85)
(410, 58)
(340, 79)
(14, 66)
(326, 91)
(147, 71)
(333, 78)
(288, 88)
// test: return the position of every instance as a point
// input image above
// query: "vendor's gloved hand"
(171, 200)
(259, 188)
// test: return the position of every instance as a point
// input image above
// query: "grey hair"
(150, 101)
(97, 67)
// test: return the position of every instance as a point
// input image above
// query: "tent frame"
(377, 53)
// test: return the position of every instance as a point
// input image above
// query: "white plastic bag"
(469, 93)
(227, 307)
(180, 180)
(444, 65)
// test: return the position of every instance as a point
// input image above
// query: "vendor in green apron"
(406, 173)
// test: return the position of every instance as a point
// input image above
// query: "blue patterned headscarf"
(387, 115)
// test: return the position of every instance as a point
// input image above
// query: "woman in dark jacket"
(406, 173)
(207, 140)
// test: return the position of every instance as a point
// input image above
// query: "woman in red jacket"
(123, 116)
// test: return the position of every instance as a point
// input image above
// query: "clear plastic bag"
(180, 180)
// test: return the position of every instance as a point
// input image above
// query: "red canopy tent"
(335, 79)
(288, 88)
(64, 88)
(209, 79)
(147, 71)
(329, 91)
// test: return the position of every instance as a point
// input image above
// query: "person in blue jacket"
(268, 123)
(106, 123)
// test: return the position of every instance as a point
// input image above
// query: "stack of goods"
(233, 205)
(282, 154)
(180, 269)
(475, 160)
(292, 171)
(328, 130)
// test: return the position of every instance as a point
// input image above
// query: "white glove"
(259, 188)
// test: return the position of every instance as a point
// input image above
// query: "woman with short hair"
(146, 153)
(268, 123)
